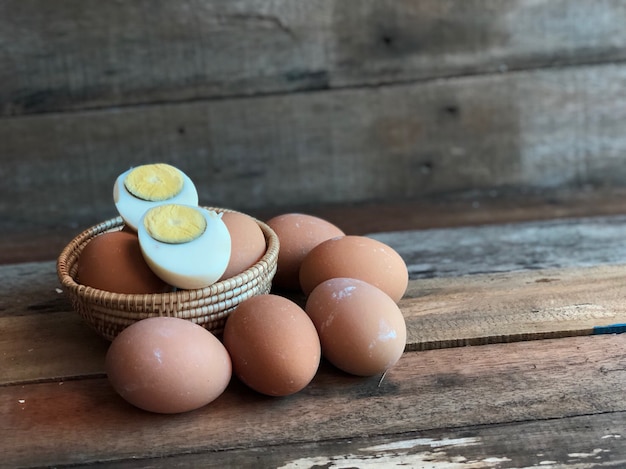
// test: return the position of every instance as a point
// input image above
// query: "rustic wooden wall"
(282, 103)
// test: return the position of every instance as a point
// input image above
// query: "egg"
(248, 243)
(273, 345)
(297, 233)
(112, 261)
(167, 365)
(361, 329)
(356, 257)
(143, 187)
(186, 246)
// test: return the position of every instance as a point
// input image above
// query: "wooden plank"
(86, 54)
(81, 421)
(569, 443)
(49, 347)
(531, 305)
(510, 247)
(557, 128)
(402, 41)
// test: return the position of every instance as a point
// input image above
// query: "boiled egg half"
(187, 246)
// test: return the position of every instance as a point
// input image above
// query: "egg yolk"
(174, 224)
(154, 182)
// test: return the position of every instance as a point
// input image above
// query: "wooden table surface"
(514, 359)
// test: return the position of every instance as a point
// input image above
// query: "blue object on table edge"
(610, 329)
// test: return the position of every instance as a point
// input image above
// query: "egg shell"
(112, 261)
(356, 257)
(168, 365)
(248, 243)
(297, 233)
(273, 345)
(361, 329)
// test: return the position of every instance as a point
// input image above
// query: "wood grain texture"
(510, 247)
(53, 423)
(582, 442)
(498, 308)
(87, 54)
(556, 128)
(276, 103)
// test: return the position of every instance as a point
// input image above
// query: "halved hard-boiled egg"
(143, 187)
(186, 246)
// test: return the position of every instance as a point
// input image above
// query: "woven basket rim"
(71, 252)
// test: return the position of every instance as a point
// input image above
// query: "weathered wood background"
(277, 103)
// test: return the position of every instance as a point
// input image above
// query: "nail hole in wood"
(387, 40)
(452, 110)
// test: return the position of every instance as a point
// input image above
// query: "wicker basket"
(109, 313)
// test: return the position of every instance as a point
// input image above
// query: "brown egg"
(298, 234)
(247, 242)
(273, 345)
(113, 262)
(361, 329)
(168, 365)
(356, 257)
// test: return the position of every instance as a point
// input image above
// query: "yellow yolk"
(154, 182)
(174, 224)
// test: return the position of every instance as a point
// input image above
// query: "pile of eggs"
(351, 285)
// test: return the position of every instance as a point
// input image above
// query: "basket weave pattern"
(109, 313)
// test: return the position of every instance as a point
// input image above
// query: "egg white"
(132, 208)
(194, 264)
